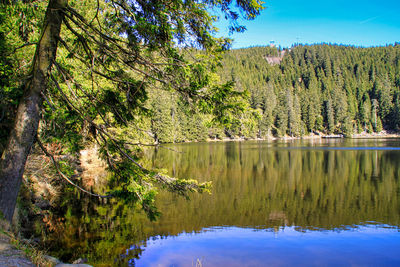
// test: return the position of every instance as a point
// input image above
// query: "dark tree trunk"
(26, 123)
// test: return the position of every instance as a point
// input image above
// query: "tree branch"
(174, 184)
(22, 46)
(57, 166)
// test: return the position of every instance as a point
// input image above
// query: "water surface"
(295, 203)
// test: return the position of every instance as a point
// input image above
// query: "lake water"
(283, 203)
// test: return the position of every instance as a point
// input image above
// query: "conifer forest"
(110, 117)
(307, 89)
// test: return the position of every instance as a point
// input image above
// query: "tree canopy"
(77, 70)
(322, 88)
(316, 89)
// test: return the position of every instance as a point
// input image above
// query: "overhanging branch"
(57, 166)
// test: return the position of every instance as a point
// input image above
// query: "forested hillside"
(318, 88)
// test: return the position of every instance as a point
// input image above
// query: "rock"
(79, 261)
(52, 260)
(43, 204)
(14, 260)
(10, 256)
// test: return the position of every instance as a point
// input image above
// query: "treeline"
(327, 88)
(313, 89)
(320, 89)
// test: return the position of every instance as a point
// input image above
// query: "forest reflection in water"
(302, 186)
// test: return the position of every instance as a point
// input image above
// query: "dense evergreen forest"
(78, 73)
(320, 89)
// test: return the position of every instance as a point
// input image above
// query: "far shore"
(382, 134)
(363, 135)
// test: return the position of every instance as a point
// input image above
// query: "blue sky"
(351, 22)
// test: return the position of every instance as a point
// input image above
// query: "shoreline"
(364, 135)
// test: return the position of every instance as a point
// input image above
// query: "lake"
(311, 202)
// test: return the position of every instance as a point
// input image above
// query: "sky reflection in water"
(370, 245)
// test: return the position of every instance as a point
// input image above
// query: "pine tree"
(330, 117)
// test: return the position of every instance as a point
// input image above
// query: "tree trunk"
(26, 123)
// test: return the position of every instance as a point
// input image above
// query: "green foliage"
(337, 87)
(163, 119)
(319, 88)
(17, 23)
(113, 59)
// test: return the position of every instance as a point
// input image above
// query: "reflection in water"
(268, 200)
(288, 247)
(256, 185)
